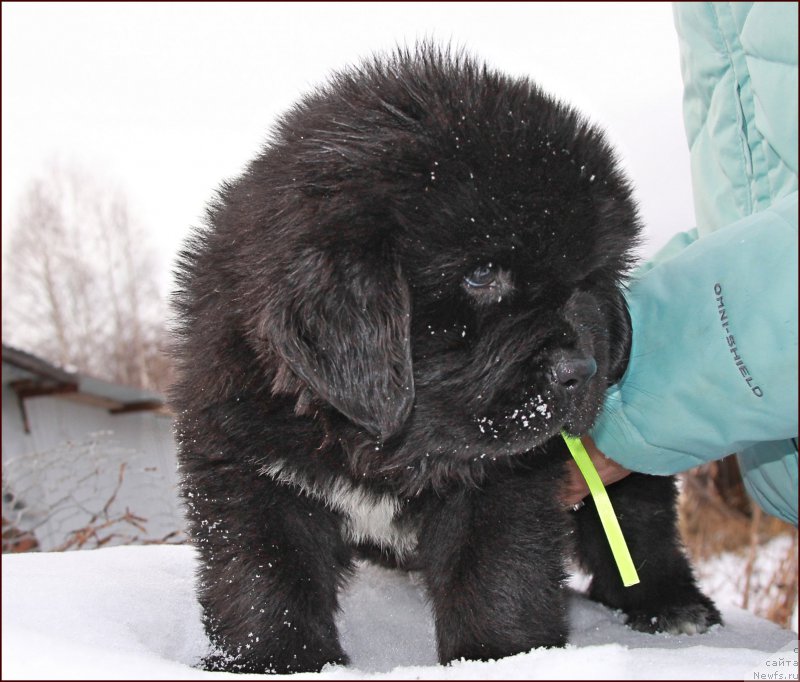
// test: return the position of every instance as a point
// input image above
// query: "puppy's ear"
(621, 335)
(344, 330)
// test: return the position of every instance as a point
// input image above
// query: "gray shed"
(86, 462)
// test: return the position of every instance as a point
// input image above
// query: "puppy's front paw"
(686, 619)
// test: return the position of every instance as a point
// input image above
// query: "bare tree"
(79, 281)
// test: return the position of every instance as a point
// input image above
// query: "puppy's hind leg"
(667, 599)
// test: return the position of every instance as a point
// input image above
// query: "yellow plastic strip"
(616, 540)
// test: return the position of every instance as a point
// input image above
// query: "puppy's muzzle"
(571, 373)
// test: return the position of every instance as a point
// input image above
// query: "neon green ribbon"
(616, 540)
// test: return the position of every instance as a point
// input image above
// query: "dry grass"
(717, 517)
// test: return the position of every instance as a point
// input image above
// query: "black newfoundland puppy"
(387, 322)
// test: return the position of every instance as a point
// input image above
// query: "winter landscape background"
(130, 115)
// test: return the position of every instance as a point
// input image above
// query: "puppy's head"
(443, 248)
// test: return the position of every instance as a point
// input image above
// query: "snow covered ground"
(725, 576)
(130, 613)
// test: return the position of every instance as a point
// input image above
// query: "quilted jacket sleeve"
(713, 366)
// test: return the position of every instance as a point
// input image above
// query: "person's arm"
(713, 366)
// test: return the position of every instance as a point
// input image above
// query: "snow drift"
(130, 613)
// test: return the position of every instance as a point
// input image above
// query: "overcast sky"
(164, 100)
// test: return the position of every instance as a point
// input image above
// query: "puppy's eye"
(482, 276)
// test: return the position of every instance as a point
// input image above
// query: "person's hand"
(575, 488)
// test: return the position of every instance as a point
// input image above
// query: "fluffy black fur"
(386, 323)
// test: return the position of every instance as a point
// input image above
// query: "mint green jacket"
(713, 366)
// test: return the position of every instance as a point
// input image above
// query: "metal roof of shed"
(30, 376)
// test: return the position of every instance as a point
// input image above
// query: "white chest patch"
(367, 516)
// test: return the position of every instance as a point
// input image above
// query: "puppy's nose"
(573, 373)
